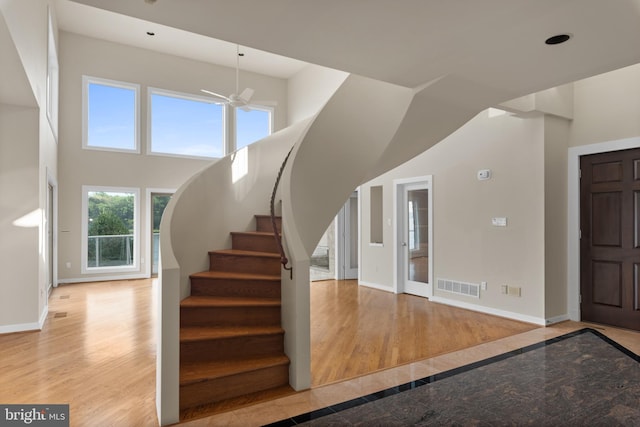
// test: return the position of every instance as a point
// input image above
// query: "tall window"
(185, 125)
(110, 115)
(110, 229)
(253, 124)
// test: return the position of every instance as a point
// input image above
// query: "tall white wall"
(607, 107)
(20, 217)
(28, 141)
(466, 246)
(556, 140)
(87, 56)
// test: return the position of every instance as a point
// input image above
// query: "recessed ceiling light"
(151, 33)
(557, 39)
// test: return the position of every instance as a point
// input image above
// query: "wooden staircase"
(231, 339)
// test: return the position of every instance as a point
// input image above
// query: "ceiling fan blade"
(246, 95)
(217, 95)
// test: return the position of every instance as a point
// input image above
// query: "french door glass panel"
(417, 210)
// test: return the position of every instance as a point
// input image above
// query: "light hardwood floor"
(97, 351)
(357, 330)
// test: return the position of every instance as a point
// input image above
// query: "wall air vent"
(460, 288)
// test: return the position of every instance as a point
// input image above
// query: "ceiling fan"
(239, 99)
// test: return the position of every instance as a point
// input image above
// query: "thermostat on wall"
(484, 174)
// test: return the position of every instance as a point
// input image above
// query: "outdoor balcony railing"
(110, 251)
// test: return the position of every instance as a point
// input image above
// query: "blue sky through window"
(179, 124)
(111, 117)
(186, 127)
(251, 126)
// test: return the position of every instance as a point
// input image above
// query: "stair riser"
(230, 316)
(254, 242)
(244, 264)
(263, 223)
(232, 348)
(235, 288)
(218, 389)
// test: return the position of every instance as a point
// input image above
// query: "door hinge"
(580, 298)
(580, 173)
(580, 234)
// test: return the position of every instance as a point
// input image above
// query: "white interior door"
(414, 234)
(347, 239)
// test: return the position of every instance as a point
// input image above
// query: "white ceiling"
(102, 24)
(491, 45)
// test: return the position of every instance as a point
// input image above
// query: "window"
(52, 78)
(253, 124)
(110, 115)
(110, 229)
(376, 229)
(185, 125)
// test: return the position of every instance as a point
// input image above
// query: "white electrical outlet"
(483, 286)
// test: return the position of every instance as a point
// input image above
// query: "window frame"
(189, 97)
(84, 248)
(86, 81)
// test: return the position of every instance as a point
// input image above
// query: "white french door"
(414, 236)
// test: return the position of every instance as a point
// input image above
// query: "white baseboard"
(102, 278)
(558, 319)
(26, 327)
(375, 286)
(43, 316)
(489, 310)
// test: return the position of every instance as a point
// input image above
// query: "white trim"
(149, 225)
(26, 327)
(101, 278)
(377, 286)
(53, 75)
(557, 319)
(86, 80)
(51, 180)
(85, 230)
(573, 214)
(489, 310)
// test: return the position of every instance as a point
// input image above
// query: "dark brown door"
(610, 244)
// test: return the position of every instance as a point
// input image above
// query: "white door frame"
(573, 214)
(52, 224)
(343, 235)
(399, 261)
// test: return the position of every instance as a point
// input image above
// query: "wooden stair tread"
(210, 301)
(254, 233)
(230, 275)
(192, 334)
(196, 372)
(239, 252)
